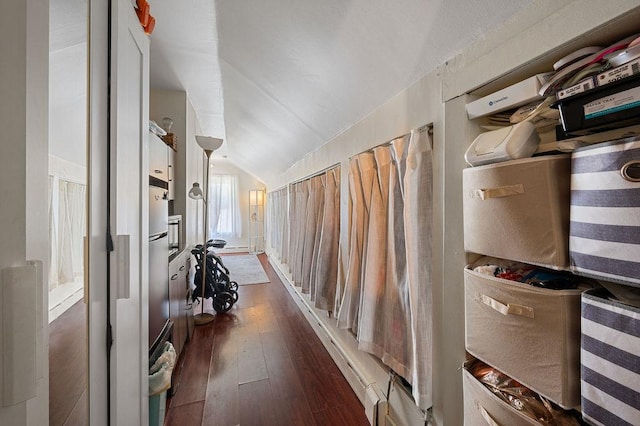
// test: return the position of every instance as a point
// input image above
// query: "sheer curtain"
(277, 223)
(66, 230)
(305, 234)
(224, 206)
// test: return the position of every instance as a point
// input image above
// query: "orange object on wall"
(143, 13)
(143, 10)
(148, 29)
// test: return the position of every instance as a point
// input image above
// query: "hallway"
(261, 364)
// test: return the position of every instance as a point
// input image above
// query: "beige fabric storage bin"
(531, 334)
(481, 406)
(519, 210)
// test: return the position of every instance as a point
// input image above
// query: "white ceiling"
(277, 79)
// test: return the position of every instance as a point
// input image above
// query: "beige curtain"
(311, 230)
(398, 345)
(358, 217)
(308, 237)
(282, 218)
(386, 300)
(299, 234)
(371, 323)
(326, 277)
(418, 216)
(361, 179)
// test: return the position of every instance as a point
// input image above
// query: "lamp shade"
(209, 143)
(195, 192)
(256, 197)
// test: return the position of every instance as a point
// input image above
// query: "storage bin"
(519, 210)
(605, 211)
(483, 408)
(531, 334)
(610, 358)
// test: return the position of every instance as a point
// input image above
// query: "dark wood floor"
(261, 364)
(68, 367)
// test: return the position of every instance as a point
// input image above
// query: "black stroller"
(217, 284)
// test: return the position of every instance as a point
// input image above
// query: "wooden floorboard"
(195, 370)
(258, 405)
(261, 364)
(221, 406)
(185, 415)
(68, 367)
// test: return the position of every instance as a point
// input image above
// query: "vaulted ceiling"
(279, 78)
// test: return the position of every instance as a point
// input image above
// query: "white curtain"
(224, 206)
(66, 230)
(277, 223)
(386, 300)
(309, 240)
(53, 237)
(418, 216)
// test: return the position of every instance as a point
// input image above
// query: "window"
(224, 206)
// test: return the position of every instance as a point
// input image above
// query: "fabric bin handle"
(485, 415)
(631, 171)
(509, 308)
(501, 191)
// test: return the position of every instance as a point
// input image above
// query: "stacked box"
(519, 210)
(605, 211)
(610, 361)
(482, 407)
(529, 333)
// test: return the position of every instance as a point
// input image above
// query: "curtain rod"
(426, 128)
(318, 173)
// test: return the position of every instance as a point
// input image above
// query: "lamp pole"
(204, 317)
(208, 145)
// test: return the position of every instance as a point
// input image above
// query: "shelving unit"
(569, 348)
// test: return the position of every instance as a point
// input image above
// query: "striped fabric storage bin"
(604, 239)
(610, 361)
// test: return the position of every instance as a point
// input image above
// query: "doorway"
(67, 310)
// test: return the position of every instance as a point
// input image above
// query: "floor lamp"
(208, 144)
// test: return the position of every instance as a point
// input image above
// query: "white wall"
(531, 41)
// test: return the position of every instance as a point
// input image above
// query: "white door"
(118, 216)
(24, 88)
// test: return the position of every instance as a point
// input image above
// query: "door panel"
(129, 216)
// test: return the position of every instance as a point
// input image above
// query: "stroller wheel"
(222, 302)
(234, 294)
(233, 286)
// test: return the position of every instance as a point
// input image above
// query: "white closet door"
(118, 212)
(129, 216)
